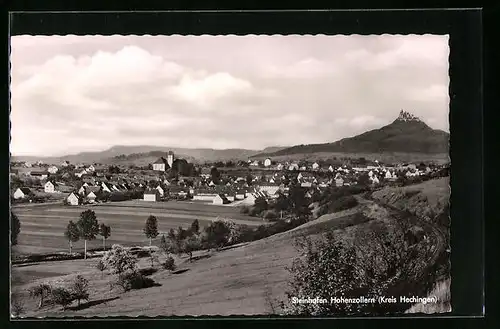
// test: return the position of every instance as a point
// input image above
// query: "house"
(267, 162)
(390, 176)
(22, 192)
(91, 197)
(269, 188)
(105, 187)
(39, 174)
(293, 166)
(151, 195)
(81, 173)
(65, 164)
(204, 196)
(50, 187)
(315, 166)
(160, 190)
(82, 190)
(240, 194)
(74, 199)
(279, 167)
(331, 169)
(161, 164)
(52, 169)
(91, 168)
(305, 184)
(220, 199)
(339, 181)
(231, 196)
(28, 164)
(374, 179)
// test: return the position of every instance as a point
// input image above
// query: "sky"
(72, 94)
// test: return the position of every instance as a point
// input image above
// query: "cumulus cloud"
(92, 92)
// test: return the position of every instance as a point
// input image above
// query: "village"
(230, 183)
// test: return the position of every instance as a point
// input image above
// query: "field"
(248, 279)
(42, 226)
(385, 157)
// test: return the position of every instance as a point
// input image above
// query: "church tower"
(170, 158)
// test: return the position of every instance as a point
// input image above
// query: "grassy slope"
(42, 226)
(426, 200)
(242, 280)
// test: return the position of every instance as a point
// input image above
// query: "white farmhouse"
(267, 162)
(73, 199)
(22, 192)
(91, 197)
(315, 166)
(331, 169)
(50, 187)
(151, 195)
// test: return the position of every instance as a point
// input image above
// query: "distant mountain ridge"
(144, 153)
(405, 134)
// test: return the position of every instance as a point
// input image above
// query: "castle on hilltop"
(406, 116)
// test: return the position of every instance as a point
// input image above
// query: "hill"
(144, 154)
(407, 134)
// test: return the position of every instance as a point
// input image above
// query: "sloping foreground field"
(248, 279)
(42, 227)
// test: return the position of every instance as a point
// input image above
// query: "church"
(163, 164)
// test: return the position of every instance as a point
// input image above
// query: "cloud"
(205, 89)
(72, 93)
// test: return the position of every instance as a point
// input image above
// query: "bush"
(133, 280)
(169, 264)
(62, 296)
(270, 215)
(343, 203)
(245, 210)
(100, 265)
(119, 259)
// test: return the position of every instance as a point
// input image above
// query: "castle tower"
(170, 158)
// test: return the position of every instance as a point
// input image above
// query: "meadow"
(43, 226)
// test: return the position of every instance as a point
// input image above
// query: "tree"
(105, 232)
(79, 289)
(215, 174)
(72, 234)
(119, 259)
(195, 227)
(15, 228)
(40, 291)
(217, 234)
(191, 244)
(326, 269)
(249, 179)
(88, 227)
(151, 228)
